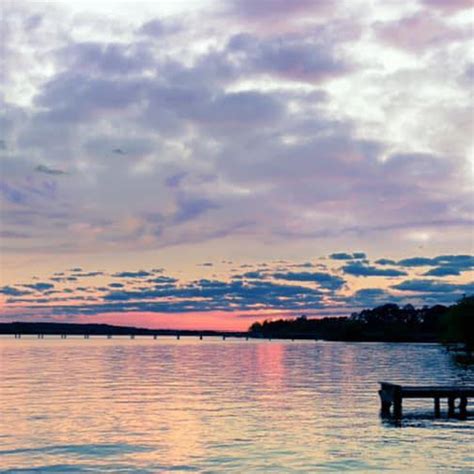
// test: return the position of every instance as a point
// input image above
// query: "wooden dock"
(392, 395)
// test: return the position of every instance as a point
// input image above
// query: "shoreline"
(86, 330)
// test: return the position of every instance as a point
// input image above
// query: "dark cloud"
(40, 286)
(107, 58)
(88, 274)
(288, 58)
(72, 97)
(434, 286)
(385, 261)
(416, 262)
(360, 269)
(445, 264)
(371, 297)
(348, 256)
(208, 295)
(138, 274)
(341, 256)
(163, 280)
(325, 280)
(190, 208)
(443, 271)
(12, 291)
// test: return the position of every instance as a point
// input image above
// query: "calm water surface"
(142, 406)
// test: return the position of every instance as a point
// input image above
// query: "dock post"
(463, 408)
(223, 338)
(132, 336)
(451, 406)
(200, 337)
(109, 336)
(437, 410)
(154, 336)
(177, 336)
(397, 402)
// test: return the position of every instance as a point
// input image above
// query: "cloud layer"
(273, 126)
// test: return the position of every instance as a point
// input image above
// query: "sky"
(200, 164)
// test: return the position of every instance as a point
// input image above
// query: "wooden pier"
(392, 395)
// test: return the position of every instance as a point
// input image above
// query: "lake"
(146, 406)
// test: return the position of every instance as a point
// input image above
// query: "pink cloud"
(449, 5)
(418, 32)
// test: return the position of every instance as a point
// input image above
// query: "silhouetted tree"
(459, 323)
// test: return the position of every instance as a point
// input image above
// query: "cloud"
(207, 295)
(416, 262)
(359, 269)
(106, 58)
(443, 271)
(348, 256)
(87, 274)
(341, 256)
(433, 286)
(447, 5)
(419, 32)
(238, 130)
(158, 28)
(325, 280)
(51, 171)
(12, 291)
(138, 274)
(40, 286)
(385, 261)
(291, 59)
(372, 297)
(446, 264)
(270, 10)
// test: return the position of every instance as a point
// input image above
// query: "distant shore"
(73, 329)
(106, 330)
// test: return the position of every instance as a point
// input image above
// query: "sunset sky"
(201, 164)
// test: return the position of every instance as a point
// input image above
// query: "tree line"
(389, 323)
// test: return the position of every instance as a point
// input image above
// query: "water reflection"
(141, 405)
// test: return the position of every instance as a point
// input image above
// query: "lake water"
(147, 406)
